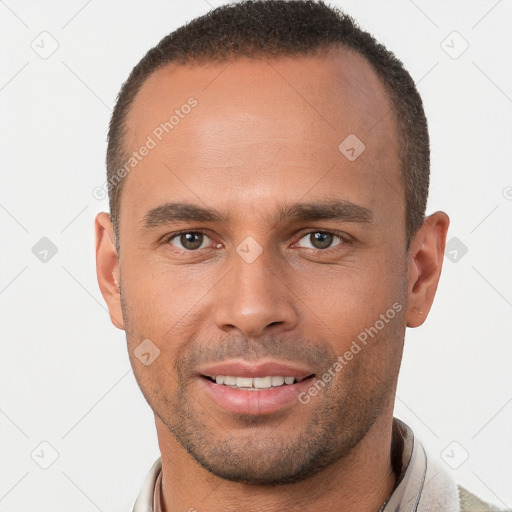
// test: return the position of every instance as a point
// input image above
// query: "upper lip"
(255, 369)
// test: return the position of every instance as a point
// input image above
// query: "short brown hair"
(272, 28)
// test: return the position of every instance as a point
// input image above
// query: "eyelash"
(343, 237)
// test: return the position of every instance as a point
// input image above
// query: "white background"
(65, 376)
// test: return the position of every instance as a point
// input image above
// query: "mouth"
(246, 387)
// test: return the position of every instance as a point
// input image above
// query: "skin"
(264, 135)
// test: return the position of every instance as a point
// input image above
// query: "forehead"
(335, 88)
(262, 126)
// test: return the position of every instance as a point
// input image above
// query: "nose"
(254, 297)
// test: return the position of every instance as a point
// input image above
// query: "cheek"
(162, 305)
(160, 295)
(346, 299)
(370, 354)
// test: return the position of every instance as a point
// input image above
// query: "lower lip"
(264, 401)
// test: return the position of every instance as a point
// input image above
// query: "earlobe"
(425, 262)
(107, 267)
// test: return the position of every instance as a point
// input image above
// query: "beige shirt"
(423, 485)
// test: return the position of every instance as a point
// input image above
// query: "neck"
(360, 482)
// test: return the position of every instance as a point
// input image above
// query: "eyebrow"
(180, 212)
(323, 210)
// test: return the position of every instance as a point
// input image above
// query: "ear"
(425, 261)
(107, 267)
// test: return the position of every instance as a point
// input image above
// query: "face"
(253, 248)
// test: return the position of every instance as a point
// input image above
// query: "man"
(267, 245)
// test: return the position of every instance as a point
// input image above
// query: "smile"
(253, 383)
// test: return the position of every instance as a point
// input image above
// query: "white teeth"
(262, 382)
(244, 382)
(277, 381)
(253, 383)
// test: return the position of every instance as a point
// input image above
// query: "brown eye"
(321, 240)
(188, 241)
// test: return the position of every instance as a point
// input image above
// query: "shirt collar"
(422, 485)
(145, 500)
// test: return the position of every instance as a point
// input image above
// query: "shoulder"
(471, 503)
